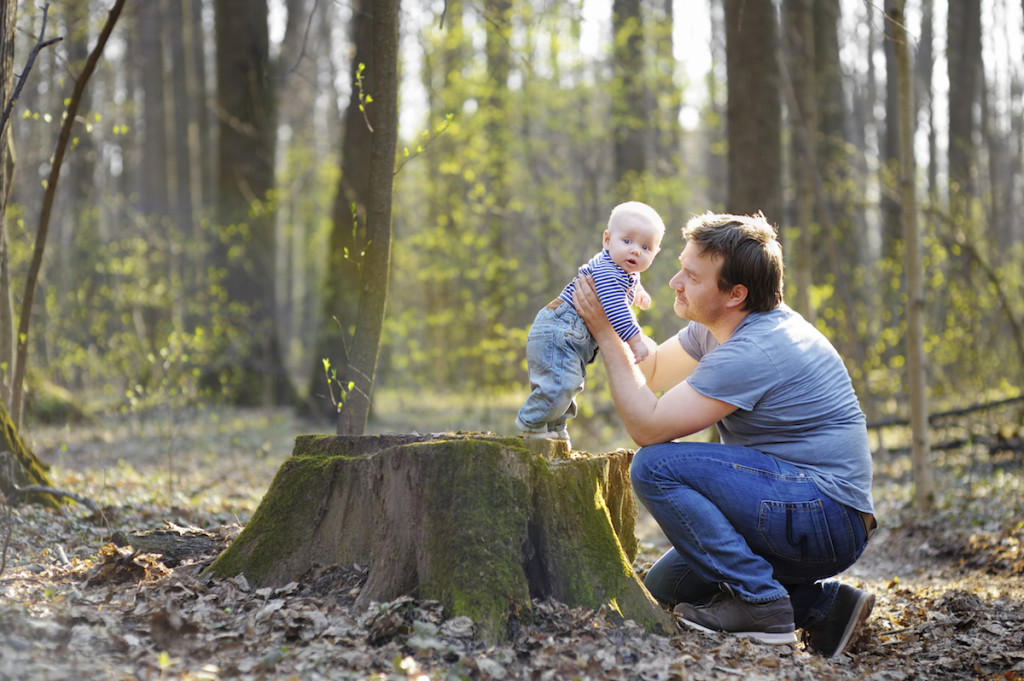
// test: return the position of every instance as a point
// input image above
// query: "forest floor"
(949, 585)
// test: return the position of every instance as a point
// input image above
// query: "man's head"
(749, 254)
(633, 236)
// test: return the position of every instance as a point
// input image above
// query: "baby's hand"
(641, 347)
(643, 299)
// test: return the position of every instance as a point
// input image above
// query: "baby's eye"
(646, 247)
(625, 240)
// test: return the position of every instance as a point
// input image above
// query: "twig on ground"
(44, 489)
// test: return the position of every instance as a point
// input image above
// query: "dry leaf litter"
(75, 605)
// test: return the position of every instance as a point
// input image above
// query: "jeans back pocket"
(797, 531)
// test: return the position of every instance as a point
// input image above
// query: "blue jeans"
(558, 349)
(743, 519)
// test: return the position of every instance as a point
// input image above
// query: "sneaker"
(767, 622)
(843, 622)
(535, 435)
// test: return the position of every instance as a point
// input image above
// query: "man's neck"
(723, 328)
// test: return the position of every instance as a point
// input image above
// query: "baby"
(559, 347)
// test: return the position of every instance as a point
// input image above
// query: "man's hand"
(589, 307)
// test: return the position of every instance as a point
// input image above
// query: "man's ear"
(737, 296)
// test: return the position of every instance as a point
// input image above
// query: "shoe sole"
(775, 639)
(861, 612)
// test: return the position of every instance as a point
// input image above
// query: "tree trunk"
(8, 21)
(924, 485)
(19, 466)
(798, 38)
(246, 245)
(629, 114)
(376, 266)
(35, 266)
(665, 152)
(754, 112)
(964, 64)
(181, 210)
(342, 285)
(892, 220)
(481, 523)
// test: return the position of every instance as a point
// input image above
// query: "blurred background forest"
(207, 237)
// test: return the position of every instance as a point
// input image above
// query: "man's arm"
(648, 419)
(668, 366)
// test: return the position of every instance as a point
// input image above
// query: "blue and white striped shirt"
(617, 290)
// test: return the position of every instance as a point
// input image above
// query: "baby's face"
(632, 243)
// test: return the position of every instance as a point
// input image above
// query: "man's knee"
(640, 467)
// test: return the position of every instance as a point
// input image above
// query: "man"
(785, 499)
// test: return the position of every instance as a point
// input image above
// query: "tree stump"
(482, 524)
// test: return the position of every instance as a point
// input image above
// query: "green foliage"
(512, 183)
(121, 327)
(331, 374)
(971, 322)
(500, 211)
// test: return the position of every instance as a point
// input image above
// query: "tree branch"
(40, 44)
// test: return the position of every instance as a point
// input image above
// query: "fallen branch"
(43, 489)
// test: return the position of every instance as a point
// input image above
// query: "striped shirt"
(616, 288)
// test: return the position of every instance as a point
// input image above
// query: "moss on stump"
(20, 467)
(482, 524)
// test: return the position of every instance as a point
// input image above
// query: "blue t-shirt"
(794, 399)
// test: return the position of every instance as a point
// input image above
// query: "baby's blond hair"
(638, 210)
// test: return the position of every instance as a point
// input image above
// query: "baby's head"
(633, 236)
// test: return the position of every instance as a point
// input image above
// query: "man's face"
(696, 285)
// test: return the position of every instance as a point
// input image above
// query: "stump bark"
(482, 524)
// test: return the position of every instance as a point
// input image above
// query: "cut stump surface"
(481, 523)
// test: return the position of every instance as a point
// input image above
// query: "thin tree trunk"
(342, 286)
(890, 150)
(180, 174)
(31, 279)
(798, 36)
(373, 302)
(924, 485)
(8, 22)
